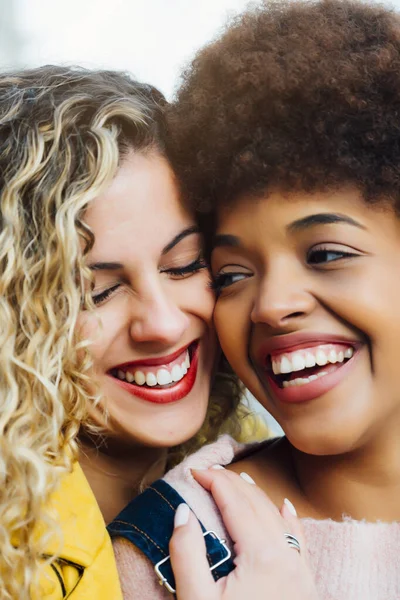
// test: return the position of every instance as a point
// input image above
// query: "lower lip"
(165, 395)
(314, 389)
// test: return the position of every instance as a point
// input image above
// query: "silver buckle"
(164, 581)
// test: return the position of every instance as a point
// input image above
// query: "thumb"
(188, 558)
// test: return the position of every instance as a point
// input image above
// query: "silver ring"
(293, 542)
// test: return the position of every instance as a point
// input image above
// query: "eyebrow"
(322, 219)
(226, 240)
(178, 238)
(232, 241)
(115, 266)
(105, 266)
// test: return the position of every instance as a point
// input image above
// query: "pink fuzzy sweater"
(351, 560)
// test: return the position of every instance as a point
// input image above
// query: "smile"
(304, 366)
(172, 372)
(298, 368)
(160, 380)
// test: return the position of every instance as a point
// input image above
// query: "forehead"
(277, 210)
(140, 208)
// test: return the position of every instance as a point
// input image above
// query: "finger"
(294, 525)
(254, 495)
(248, 514)
(188, 558)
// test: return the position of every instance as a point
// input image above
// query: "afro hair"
(292, 96)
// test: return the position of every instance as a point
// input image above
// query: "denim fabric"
(148, 522)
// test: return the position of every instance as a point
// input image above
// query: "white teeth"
(332, 356)
(275, 367)
(176, 373)
(163, 377)
(298, 362)
(151, 379)
(140, 377)
(286, 365)
(303, 380)
(129, 377)
(309, 360)
(320, 358)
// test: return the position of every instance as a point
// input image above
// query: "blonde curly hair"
(63, 133)
(61, 136)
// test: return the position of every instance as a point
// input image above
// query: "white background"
(152, 39)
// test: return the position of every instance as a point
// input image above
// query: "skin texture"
(150, 313)
(343, 446)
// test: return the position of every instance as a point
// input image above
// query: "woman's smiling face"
(308, 313)
(152, 340)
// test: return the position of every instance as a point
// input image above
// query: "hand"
(266, 566)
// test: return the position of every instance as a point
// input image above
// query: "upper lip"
(159, 360)
(300, 339)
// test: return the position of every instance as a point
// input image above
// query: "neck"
(362, 484)
(116, 472)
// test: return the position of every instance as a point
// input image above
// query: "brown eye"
(319, 256)
(224, 280)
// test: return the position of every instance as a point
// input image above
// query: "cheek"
(99, 330)
(366, 301)
(195, 296)
(233, 326)
(87, 325)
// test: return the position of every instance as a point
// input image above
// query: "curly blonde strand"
(61, 133)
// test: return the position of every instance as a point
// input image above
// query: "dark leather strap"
(148, 522)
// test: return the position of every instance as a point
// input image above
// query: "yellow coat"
(86, 569)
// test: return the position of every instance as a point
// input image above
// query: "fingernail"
(198, 468)
(247, 478)
(217, 467)
(290, 506)
(181, 515)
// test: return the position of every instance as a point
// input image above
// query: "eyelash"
(340, 254)
(219, 281)
(197, 265)
(98, 298)
(181, 272)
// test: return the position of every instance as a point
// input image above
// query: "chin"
(318, 441)
(161, 435)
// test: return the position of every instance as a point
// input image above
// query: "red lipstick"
(149, 362)
(164, 395)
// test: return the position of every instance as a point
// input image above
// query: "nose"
(159, 318)
(282, 299)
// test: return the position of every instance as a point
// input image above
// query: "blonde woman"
(106, 329)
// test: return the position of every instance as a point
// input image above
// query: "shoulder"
(271, 466)
(222, 452)
(136, 573)
(135, 570)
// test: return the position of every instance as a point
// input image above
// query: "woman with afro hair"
(285, 136)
